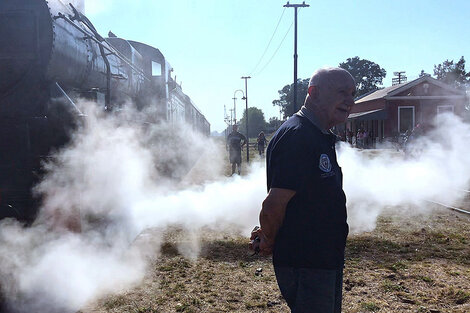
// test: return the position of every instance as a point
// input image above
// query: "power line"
(269, 43)
(275, 52)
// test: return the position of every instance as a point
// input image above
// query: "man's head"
(331, 95)
(235, 128)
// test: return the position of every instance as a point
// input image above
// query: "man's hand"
(254, 240)
(259, 243)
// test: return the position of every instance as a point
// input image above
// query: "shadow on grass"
(419, 247)
(228, 250)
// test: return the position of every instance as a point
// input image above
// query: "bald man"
(303, 218)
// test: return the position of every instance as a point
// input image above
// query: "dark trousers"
(309, 290)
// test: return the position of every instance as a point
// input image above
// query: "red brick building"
(391, 111)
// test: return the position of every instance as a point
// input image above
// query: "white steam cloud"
(117, 178)
(110, 178)
(436, 169)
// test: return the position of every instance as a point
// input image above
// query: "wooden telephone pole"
(295, 6)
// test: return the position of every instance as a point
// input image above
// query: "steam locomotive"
(50, 56)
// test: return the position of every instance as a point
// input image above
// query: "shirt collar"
(304, 112)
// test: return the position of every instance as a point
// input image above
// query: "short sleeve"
(290, 162)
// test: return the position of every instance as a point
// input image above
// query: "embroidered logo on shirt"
(325, 164)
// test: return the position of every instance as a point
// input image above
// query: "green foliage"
(367, 74)
(273, 124)
(452, 73)
(286, 97)
(256, 122)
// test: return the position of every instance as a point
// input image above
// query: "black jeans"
(310, 290)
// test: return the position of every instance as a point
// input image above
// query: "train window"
(156, 69)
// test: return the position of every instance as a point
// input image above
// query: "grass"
(392, 269)
(370, 307)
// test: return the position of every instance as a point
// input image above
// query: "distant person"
(371, 139)
(350, 136)
(262, 142)
(360, 139)
(365, 139)
(303, 218)
(235, 142)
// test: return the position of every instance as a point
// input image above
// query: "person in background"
(360, 138)
(371, 139)
(365, 139)
(303, 218)
(235, 142)
(350, 136)
(262, 142)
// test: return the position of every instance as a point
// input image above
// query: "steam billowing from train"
(435, 169)
(107, 175)
(107, 178)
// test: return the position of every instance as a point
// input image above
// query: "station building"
(392, 111)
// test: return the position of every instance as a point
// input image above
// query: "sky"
(211, 44)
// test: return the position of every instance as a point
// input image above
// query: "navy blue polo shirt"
(301, 157)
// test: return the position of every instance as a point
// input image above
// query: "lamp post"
(246, 106)
(235, 105)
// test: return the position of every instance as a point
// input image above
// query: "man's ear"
(313, 92)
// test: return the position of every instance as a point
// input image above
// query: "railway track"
(460, 210)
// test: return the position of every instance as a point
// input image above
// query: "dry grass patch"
(408, 264)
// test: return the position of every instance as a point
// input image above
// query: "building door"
(406, 118)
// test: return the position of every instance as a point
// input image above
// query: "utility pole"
(295, 6)
(246, 106)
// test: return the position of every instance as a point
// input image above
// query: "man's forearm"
(272, 215)
(271, 218)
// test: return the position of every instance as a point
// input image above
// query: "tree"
(367, 74)
(286, 97)
(256, 122)
(452, 74)
(423, 73)
(274, 123)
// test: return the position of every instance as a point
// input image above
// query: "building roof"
(387, 93)
(379, 114)
(378, 94)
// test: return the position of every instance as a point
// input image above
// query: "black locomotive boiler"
(50, 56)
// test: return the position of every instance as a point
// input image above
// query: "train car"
(50, 56)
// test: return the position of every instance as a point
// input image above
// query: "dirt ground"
(409, 263)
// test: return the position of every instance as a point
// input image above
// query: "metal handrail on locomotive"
(50, 56)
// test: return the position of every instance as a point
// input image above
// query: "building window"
(156, 69)
(445, 109)
(406, 118)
